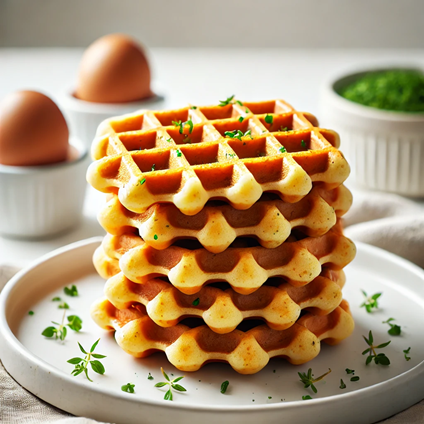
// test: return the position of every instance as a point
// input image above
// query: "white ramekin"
(40, 201)
(385, 149)
(84, 117)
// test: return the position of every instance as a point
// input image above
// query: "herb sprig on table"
(371, 302)
(394, 330)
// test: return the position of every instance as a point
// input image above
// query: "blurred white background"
(217, 23)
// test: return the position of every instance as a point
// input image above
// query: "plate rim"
(14, 344)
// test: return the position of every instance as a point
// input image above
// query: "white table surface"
(187, 75)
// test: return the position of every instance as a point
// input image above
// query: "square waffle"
(188, 349)
(233, 153)
(217, 225)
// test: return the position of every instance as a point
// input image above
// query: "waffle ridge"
(244, 268)
(145, 159)
(278, 305)
(270, 221)
(188, 349)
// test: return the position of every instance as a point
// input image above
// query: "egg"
(33, 130)
(114, 69)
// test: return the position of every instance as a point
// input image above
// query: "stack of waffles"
(224, 241)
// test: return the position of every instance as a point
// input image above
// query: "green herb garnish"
(141, 182)
(395, 330)
(282, 149)
(169, 139)
(60, 332)
(56, 299)
(153, 167)
(400, 90)
(306, 397)
(238, 134)
(269, 119)
(178, 124)
(189, 122)
(73, 291)
(74, 323)
(196, 302)
(30, 312)
(241, 119)
(303, 144)
(348, 371)
(193, 107)
(370, 301)
(284, 128)
(179, 154)
(63, 305)
(380, 358)
(224, 386)
(342, 384)
(155, 237)
(81, 364)
(172, 385)
(354, 378)
(226, 102)
(308, 380)
(239, 102)
(150, 377)
(406, 352)
(129, 388)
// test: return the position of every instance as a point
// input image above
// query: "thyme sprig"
(394, 330)
(379, 358)
(172, 385)
(308, 379)
(81, 364)
(371, 302)
(60, 332)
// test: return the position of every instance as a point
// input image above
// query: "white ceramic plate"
(271, 396)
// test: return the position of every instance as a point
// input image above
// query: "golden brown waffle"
(248, 352)
(244, 268)
(279, 305)
(218, 225)
(145, 158)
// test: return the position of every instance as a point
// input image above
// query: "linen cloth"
(387, 221)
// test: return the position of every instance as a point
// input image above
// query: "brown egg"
(33, 130)
(114, 69)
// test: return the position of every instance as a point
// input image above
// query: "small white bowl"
(40, 201)
(84, 117)
(385, 149)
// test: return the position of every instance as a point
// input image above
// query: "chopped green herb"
(150, 377)
(303, 144)
(196, 302)
(342, 384)
(81, 364)
(395, 330)
(155, 237)
(141, 182)
(370, 301)
(178, 124)
(284, 128)
(226, 102)
(348, 371)
(247, 111)
(241, 119)
(406, 352)
(129, 388)
(224, 386)
(56, 299)
(179, 154)
(193, 107)
(308, 380)
(73, 291)
(380, 358)
(189, 122)
(60, 332)
(63, 305)
(354, 378)
(239, 102)
(399, 90)
(31, 313)
(230, 155)
(282, 149)
(172, 385)
(307, 397)
(269, 119)
(269, 397)
(169, 139)
(153, 167)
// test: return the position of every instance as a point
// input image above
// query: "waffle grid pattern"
(145, 158)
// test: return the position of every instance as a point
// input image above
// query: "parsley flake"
(356, 378)
(150, 377)
(303, 144)
(141, 182)
(342, 384)
(196, 302)
(282, 149)
(269, 119)
(73, 291)
(179, 154)
(128, 388)
(395, 330)
(226, 102)
(406, 352)
(224, 386)
(30, 312)
(155, 237)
